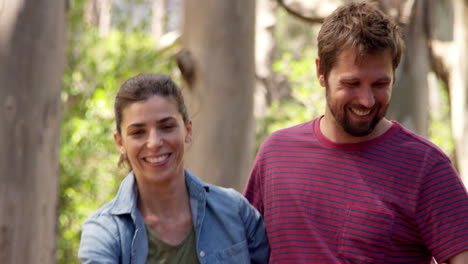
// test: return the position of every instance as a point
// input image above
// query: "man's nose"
(366, 97)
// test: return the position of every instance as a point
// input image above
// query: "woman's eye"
(137, 132)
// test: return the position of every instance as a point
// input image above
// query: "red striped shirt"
(393, 199)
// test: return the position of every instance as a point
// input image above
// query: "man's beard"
(356, 129)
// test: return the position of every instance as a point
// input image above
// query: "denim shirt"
(227, 228)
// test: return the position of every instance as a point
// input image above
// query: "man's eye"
(167, 127)
(352, 84)
(381, 85)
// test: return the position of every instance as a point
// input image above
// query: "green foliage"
(307, 99)
(440, 129)
(295, 60)
(96, 67)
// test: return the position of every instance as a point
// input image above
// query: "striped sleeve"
(253, 191)
(442, 212)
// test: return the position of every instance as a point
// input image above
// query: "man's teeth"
(360, 112)
(158, 159)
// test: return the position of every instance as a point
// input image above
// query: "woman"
(163, 213)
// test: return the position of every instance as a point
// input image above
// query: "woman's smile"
(159, 160)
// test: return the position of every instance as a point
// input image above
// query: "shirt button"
(202, 253)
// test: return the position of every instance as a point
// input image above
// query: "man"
(352, 186)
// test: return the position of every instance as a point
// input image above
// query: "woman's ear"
(118, 142)
(188, 130)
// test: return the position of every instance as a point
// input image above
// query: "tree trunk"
(105, 17)
(99, 13)
(458, 83)
(32, 54)
(91, 12)
(410, 93)
(264, 48)
(448, 48)
(174, 15)
(157, 19)
(219, 35)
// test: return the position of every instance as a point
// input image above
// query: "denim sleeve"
(99, 241)
(257, 239)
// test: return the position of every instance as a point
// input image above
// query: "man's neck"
(335, 133)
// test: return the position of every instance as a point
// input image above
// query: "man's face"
(358, 94)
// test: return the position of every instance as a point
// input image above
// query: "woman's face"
(153, 137)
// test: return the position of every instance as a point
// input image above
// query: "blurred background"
(246, 68)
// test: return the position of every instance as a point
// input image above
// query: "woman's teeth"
(157, 159)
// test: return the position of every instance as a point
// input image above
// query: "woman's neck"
(166, 211)
(163, 201)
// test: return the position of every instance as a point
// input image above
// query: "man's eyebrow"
(386, 79)
(347, 79)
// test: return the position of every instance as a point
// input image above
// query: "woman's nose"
(154, 140)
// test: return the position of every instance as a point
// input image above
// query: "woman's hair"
(360, 26)
(143, 87)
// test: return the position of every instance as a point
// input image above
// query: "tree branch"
(299, 15)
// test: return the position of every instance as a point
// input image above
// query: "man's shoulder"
(305, 127)
(302, 130)
(407, 137)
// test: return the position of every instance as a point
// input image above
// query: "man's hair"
(360, 26)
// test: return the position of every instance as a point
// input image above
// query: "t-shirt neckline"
(350, 146)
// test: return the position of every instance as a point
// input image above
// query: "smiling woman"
(162, 213)
(153, 138)
(152, 130)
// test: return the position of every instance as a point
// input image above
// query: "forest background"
(247, 68)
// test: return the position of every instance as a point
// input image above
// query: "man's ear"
(320, 75)
(119, 143)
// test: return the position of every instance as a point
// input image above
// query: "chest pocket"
(237, 253)
(366, 235)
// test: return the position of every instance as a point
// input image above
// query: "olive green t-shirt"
(159, 252)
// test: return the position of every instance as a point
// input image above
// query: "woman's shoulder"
(107, 226)
(226, 196)
(100, 236)
(211, 192)
(123, 203)
(196, 185)
(227, 193)
(229, 199)
(102, 217)
(103, 211)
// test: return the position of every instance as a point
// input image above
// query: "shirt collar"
(125, 201)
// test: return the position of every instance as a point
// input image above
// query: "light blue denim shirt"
(228, 229)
